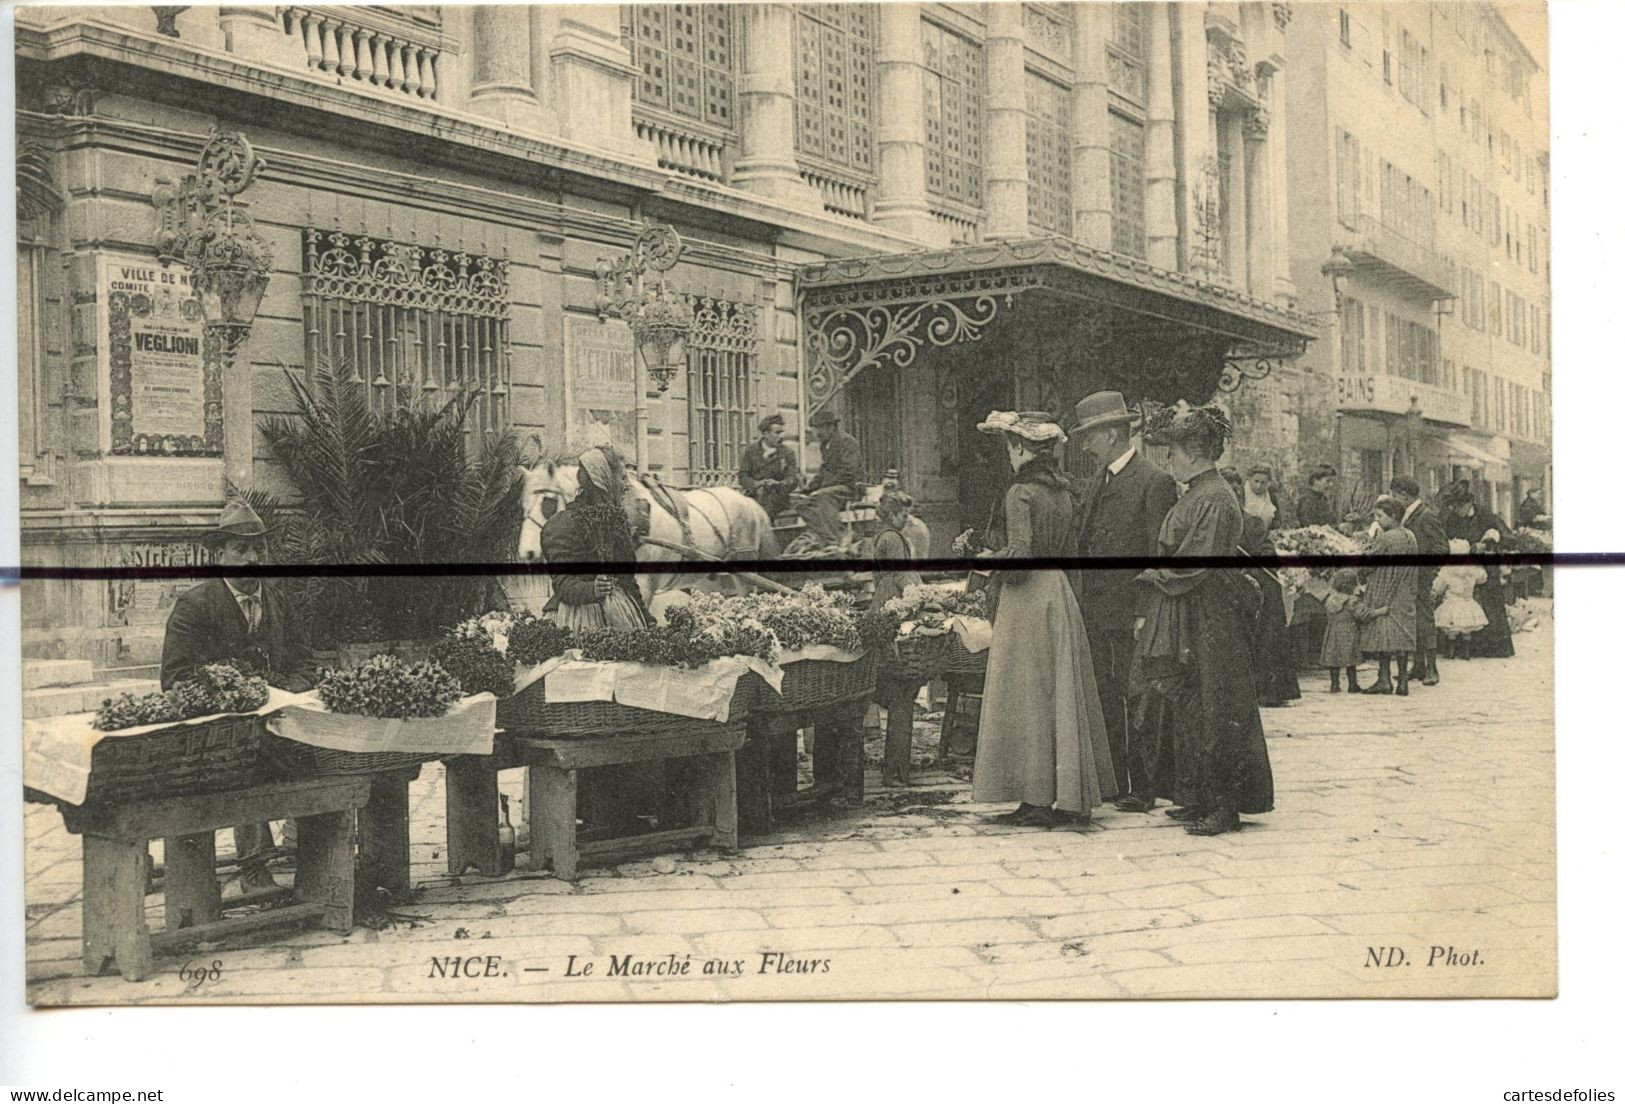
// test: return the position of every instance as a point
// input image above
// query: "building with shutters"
(1420, 141)
(909, 213)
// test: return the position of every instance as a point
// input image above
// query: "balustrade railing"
(682, 150)
(962, 230)
(840, 196)
(353, 49)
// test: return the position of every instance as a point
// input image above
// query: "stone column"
(1161, 192)
(900, 131)
(1236, 239)
(1194, 123)
(1282, 289)
(592, 75)
(1006, 122)
(500, 57)
(767, 109)
(253, 32)
(1260, 219)
(1091, 128)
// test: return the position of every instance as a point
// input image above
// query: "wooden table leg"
(849, 718)
(191, 891)
(325, 867)
(114, 912)
(724, 800)
(551, 804)
(826, 755)
(755, 801)
(471, 815)
(785, 762)
(385, 862)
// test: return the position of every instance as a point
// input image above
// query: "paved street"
(1414, 823)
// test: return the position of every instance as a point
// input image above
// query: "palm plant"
(392, 486)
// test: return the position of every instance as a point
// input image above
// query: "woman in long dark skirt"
(1196, 734)
(1482, 529)
(1275, 660)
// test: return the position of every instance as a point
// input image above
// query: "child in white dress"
(1458, 615)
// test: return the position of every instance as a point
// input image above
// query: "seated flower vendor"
(237, 619)
(767, 470)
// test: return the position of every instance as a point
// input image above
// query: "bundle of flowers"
(724, 631)
(930, 607)
(809, 616)
(489, 628)
(532, 640)
(1315, 540)
(476, 664)
(662, 646)
(216, 688)
(1527, 540)
(386, 687)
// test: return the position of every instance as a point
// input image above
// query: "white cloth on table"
(468, 728)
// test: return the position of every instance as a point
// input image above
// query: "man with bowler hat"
(1123, 508)
(236, 619)
(837, 481)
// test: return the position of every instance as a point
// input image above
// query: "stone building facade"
(1019, 202)
(1420, 142)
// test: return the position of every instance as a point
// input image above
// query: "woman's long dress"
(1042, 735)
(1391, 587)
(1275, 655)
(1197, 738)
(1494, 640)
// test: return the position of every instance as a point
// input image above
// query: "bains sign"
(1393, 394)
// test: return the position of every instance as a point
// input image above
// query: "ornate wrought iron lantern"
(202, 224)
(1337, 269)
(635, 289)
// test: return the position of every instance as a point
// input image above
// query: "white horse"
(722, 523)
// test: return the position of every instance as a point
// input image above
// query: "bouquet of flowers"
(386, 687)
(475, 663)
(490, 628)
(1527, 540)
(532, 640)
(1314, 540)
(968, 543)
(810, 616)
(216, 688)
(931, 606)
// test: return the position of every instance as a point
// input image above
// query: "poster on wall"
(600, 385)
(162, 372)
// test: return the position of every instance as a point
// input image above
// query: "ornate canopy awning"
(1098, 319)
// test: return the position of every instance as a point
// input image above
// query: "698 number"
(200, 975)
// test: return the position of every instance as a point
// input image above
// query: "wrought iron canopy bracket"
(1253, 361)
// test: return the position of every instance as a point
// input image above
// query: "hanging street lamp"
(203, 225)
(634, 289)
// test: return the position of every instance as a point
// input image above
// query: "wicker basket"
(292, 759)
(960, 660)
(917, 657)
(530, 712)
(223, 754)
(816, 683)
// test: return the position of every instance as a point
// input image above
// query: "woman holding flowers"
(593, 529)
(1196, 736)
(1042, 738)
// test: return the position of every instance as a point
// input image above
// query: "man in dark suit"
(240, 620)
(840, 473)
(1426, 524)
(768, 471)
(1121, 516)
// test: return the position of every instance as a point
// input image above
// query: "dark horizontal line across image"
(803, 567)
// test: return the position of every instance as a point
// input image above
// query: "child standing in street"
(1340, 644)
(1459, 615)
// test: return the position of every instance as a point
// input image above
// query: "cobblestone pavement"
(1425, 824)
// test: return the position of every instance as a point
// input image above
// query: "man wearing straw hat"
(1122, 515)
(236, 619)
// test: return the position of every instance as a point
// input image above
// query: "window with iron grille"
(835, 46)
(723, 360)
(1128, 185)
(1049, 155)
(408, 320)
(955, 88)
(687, 60)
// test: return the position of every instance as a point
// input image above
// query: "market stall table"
(116, 837)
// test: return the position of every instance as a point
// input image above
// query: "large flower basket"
(528, 712)
(309, 742)
(918, 657)
(221, 753)
(817, 683)
(960, 660)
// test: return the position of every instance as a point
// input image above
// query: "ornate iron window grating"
(723, 365)
(409, 320)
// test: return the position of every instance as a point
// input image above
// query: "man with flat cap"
(767, 470)
(237, 619)
(1122, 516)
(839, 476)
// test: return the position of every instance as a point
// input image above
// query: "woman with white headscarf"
(1042, 735)
(593, 528)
